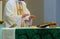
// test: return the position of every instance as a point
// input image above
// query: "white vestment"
(10, 13)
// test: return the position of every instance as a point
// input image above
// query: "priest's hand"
(25, 15)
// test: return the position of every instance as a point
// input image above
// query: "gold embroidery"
(20, 12)
(19, 8)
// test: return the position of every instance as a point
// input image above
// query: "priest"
(16, 14)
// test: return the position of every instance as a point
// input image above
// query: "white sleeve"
(19, 21)
(31, 22)
(25, 8)
(9, 15)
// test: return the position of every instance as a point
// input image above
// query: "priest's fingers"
(25, 15)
